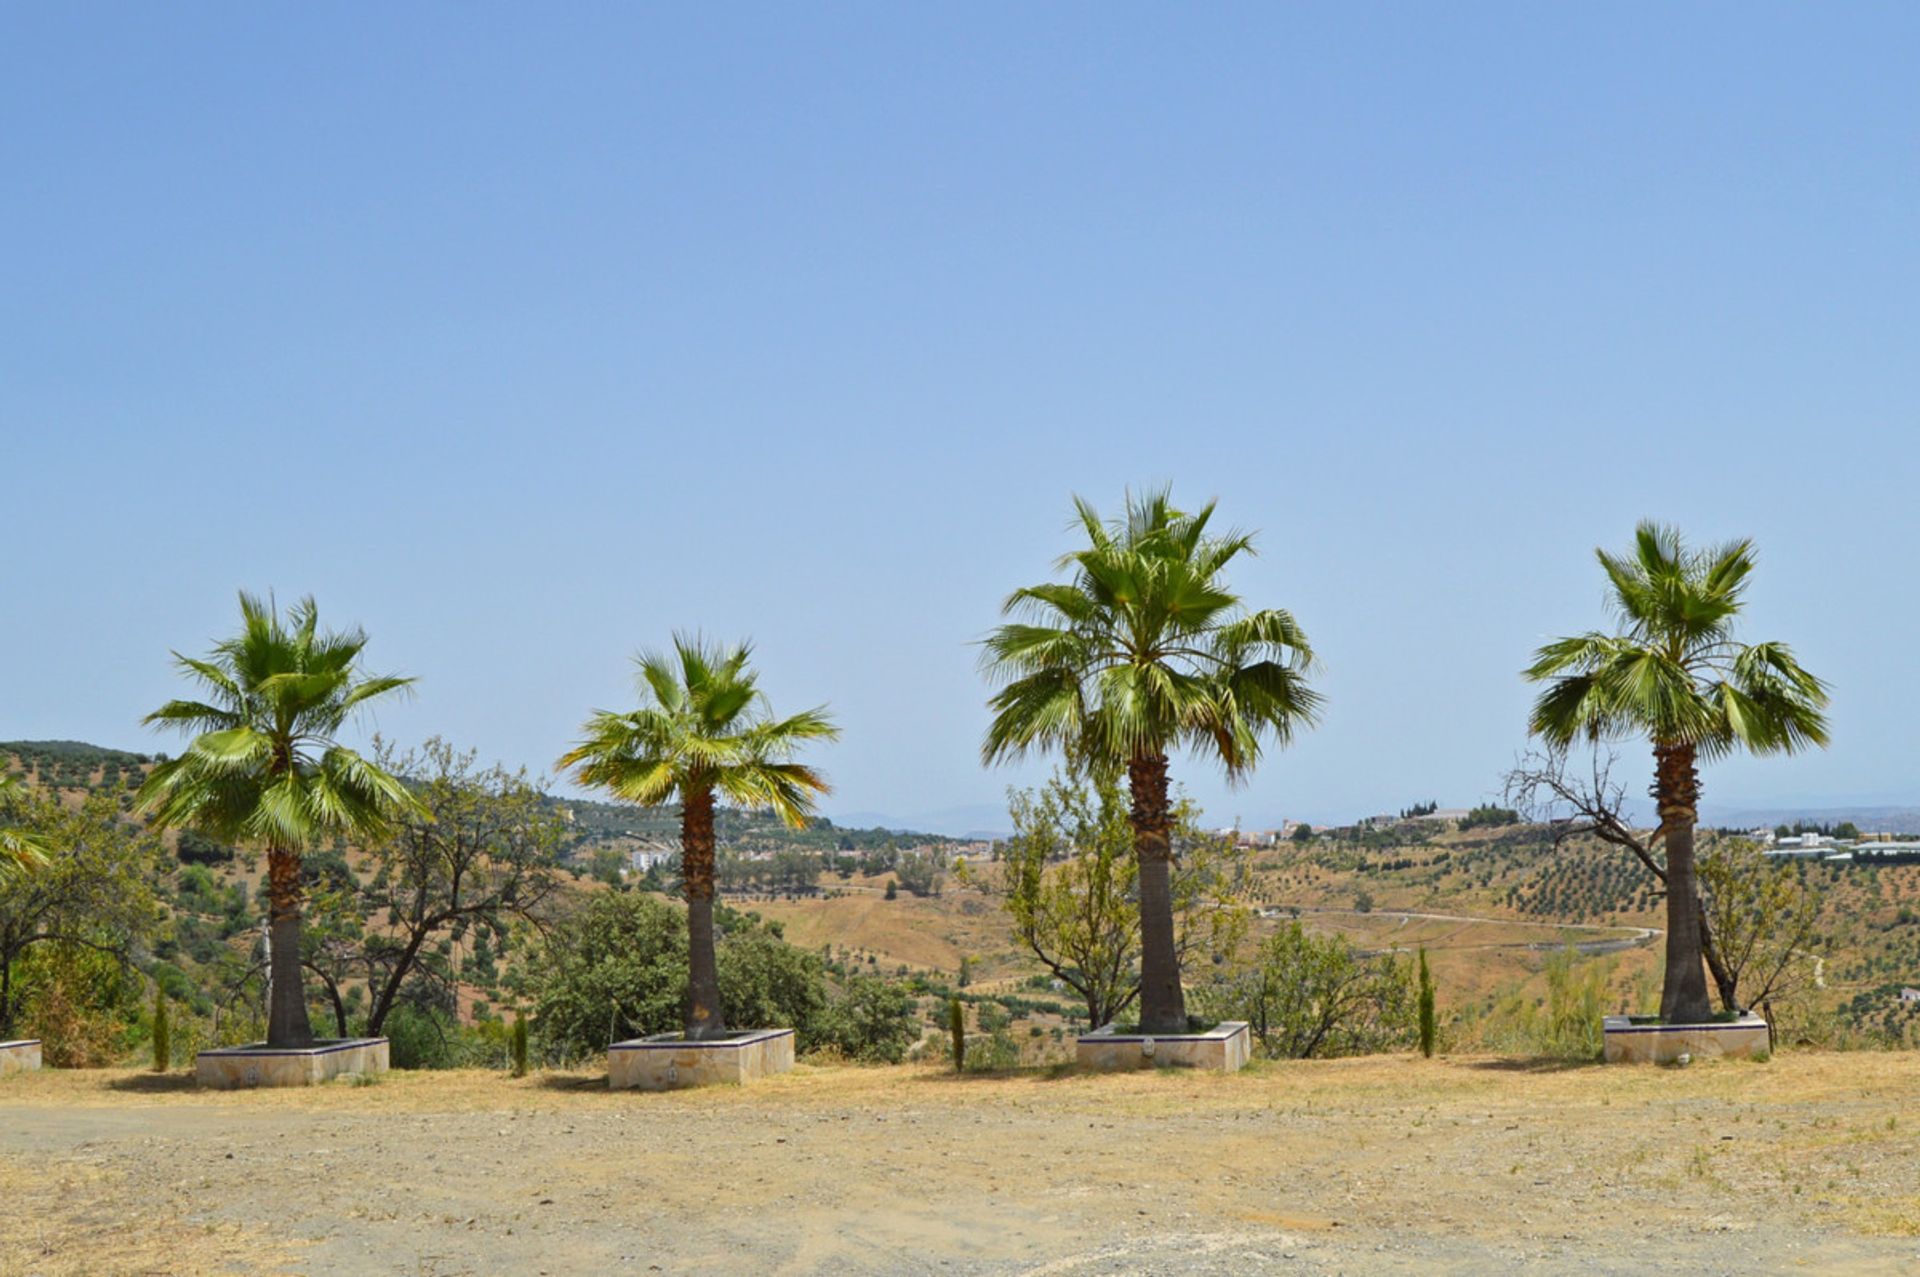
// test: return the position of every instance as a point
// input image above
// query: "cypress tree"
(1427, 1023)
(520, 1045)
(957, 1026)
(162, 1032)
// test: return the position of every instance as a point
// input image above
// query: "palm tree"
(265, 767)
(1143, 651)
(1675, 675)
(703, 731)
(20, 851)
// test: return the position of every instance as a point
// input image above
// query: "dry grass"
(77, 1220)
(1506, 1156)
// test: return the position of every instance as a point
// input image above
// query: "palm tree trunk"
(287, 1024)
(1163, 1007)
(1683, 998)
(704, 1017)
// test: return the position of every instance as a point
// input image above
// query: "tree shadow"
(155, 1083)
(573, 1083)
(1064, 1072)
(1534, 1064)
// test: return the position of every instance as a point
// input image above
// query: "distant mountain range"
(1872, 820)
(974, 821)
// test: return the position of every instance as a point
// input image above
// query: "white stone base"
(237, 1067)
(667, 1061)
(1225, 1048)
(19, 1057)
(1629, 1043)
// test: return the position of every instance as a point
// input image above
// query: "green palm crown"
(265, 765)
(1146, 649)
(19, 850)
(1674, 671)
(703, 726)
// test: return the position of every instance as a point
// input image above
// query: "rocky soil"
(1804, 1165)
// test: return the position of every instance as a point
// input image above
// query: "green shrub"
(617, 969)
(957, 1028)
(871, 1020)
(162, 1034)
(417, 1039)
(1428, 1023)
(1312, 996)
(520, 1046)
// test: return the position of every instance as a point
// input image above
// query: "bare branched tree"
(1584, 801)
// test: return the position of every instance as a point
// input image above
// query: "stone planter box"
(1628, 1043)
(667, 1061)
(19, 1057)
(1225, 1048)
(239, 1067)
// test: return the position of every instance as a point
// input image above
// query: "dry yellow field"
(1387, 1164)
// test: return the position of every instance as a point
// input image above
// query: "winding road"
(1621, 938)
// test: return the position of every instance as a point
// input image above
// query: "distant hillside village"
(1841, 842)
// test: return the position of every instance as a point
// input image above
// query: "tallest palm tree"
(1143, 651)
(1675, 674)
(265, 766)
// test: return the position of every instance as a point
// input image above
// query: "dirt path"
(1373, 1166)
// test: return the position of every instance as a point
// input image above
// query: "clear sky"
(523, 335)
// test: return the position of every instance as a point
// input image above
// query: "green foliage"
(417, 1038)
(608, 865)
(1429, 1027)
(1763, 915)
(1576, 1004)
(996, 1048)
(479, 855)
(921, 872)
(700, 728)
(616, 968)
(195, 848)
(871, 1020)
(1068, 879)
(1487, 816)
(957, 1031)
(893, 889)
(767, 983)
(1675, 673)
(1311, 996)
(264, 764)
(1146, 649)
(520, 1046)
(162, 1032)
(20, 851)
(94, 895)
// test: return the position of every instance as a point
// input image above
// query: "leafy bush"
(871, 1020)
(417, 1039)
(162, 1034)
(617, 969)
(766, 983)
(1428, 1024)
(197, 849)
(1306, 995)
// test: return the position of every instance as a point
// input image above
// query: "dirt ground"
(1806, 1164)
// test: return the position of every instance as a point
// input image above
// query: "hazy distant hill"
(68, 764)
(1888, 820)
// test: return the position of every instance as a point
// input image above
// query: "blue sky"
(523, 336)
